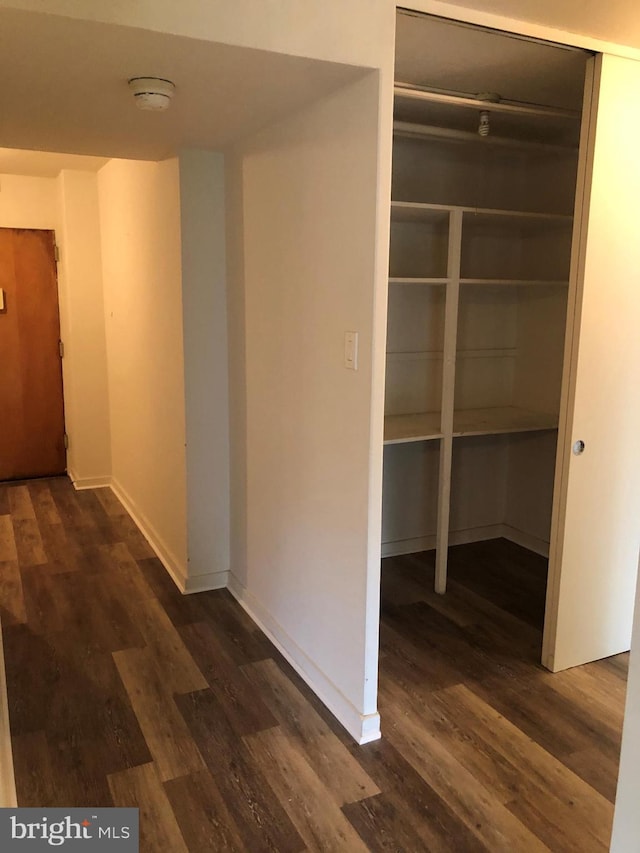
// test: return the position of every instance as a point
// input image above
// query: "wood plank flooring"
(124, 692)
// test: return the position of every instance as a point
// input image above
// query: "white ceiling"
(433, 52)
(64, 84)
(616, 21)
(64, 88)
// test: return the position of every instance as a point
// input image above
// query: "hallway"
(124, 692)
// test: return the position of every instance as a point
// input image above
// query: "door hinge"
(66, 441)
(56, 252)
(61, 348)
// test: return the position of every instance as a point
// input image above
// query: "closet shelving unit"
(480, 249)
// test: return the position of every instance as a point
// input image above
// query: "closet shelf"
(505, 419)
(415, 355)
(408, 280)
(416, 211)
(512, 282)
(425, 426)
(481, 282)
(400, 429)
(438, 355)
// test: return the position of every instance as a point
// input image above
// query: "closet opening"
(487, 129)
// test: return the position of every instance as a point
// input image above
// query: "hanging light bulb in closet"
(484, 126)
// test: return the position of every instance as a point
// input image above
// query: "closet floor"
(122, 691)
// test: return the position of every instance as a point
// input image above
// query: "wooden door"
(31, 406)
(596, 526)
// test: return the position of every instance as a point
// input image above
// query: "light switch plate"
(351, 350)
(1, 299)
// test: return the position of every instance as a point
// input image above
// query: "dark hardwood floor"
(123, 692)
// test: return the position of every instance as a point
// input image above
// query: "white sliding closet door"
(596, 527)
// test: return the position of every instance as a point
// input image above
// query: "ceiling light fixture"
(151, 93)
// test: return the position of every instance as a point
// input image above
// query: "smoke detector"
(151, 93)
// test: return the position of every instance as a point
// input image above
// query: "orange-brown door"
(31, 404)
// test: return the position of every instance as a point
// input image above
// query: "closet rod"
(407, 90)
(407, 128)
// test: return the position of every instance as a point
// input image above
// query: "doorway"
(485, 160)
(31, 396)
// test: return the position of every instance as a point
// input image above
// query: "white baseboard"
(428, 543)
(80, 483)
(408, 546)
(526, 540)
(364, 728)
(185, 583)
(163, 553)
(464, 537)
(8, 797)
(202, 583)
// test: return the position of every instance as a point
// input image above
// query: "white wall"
(83, 330)
(141, 256)
(204, 303)
(299, 418)
(28, 203)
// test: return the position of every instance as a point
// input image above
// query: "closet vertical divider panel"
(448, 397)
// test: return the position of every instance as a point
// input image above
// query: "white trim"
(164, 554)
(428, 543)
(202, 583)
(364, 728)
(8, 796)
(81, 483)
(518, 26)
(464, 537)
(526, 540)
(408, 546)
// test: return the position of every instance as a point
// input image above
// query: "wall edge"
(363, 728)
